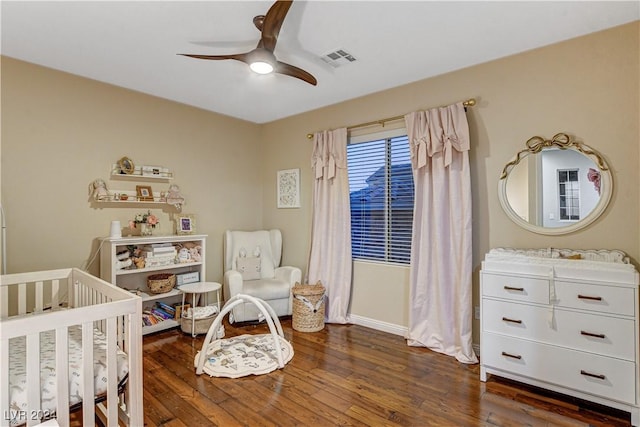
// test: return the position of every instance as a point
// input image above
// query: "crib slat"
(33, 376)
(39, 296)
(4, 379)
(112, 373)
(134, 350)
(62, 376)
(55, 294)
(4, 302)
(22, 298)
(88, 407)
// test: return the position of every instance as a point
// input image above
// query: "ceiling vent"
(338, 58)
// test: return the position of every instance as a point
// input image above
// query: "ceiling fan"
(262, 59)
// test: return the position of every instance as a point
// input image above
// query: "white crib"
(56, 303)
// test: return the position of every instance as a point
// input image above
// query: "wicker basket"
(161, 283)
(308, 307)
(200, 325)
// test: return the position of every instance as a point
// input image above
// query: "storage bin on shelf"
(161, 283)
(308, 307)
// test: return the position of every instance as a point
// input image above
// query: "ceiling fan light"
(261, 67)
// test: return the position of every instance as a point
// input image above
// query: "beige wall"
(59, 132)
(587, 87)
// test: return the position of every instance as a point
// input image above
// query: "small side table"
(196, 289)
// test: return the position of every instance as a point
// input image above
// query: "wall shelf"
(141, 174)
(158, 173)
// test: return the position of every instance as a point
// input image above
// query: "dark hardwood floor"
(347, 375)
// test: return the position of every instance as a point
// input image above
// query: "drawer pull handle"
(513, 356)
(591, 334)
(506, 319)
(589, 374)
(589, 298)
(512, 288)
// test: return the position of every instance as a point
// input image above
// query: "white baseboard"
(379, 325)
(390, 328)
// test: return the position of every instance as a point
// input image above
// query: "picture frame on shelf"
(288, 185)
(144, 193)
(154, 171)
(185, 224)
(126, 166)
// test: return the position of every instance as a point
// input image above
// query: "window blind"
(381, 196)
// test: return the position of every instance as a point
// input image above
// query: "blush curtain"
(330, 255)
(440, 292)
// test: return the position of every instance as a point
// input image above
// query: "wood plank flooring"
(347, 375)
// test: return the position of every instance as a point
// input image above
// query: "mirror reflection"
(555, 186)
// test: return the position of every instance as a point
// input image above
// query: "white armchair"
(252, 267)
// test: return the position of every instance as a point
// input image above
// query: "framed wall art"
(144, 193)
(288, 183)
(185, 224)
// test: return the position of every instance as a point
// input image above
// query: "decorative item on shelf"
(185, 224)
(144, 193)
(98, 190)
(147, 223)
(155, 171)
(126, 166)
(174, 197)
(184, 255)
(115, 232)
(161, 283)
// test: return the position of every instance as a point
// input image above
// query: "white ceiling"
(135, 44)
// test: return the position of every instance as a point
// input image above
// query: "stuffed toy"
(195, 254)
(98, 189)
(174, 197)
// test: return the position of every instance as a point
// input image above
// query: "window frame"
(569, 199)
(389, 254)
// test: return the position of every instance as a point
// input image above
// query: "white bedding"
(17, 369)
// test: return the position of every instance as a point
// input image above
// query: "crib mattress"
(18, 374)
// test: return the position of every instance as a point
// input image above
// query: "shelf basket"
(161, 283)
(308, 307)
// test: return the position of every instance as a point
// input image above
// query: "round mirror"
(555, 186)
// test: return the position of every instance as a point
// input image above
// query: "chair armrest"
(290, 275)
(232, 283)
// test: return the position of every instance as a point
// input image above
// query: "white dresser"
(567, 325)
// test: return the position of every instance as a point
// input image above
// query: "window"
(381, 195)
(569, 194)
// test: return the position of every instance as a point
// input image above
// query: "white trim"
(374, 136)
(391, 328)
(379, 325)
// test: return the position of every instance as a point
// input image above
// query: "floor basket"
(204, 317)
(308, 307)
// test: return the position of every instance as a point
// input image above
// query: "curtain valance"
(436, 132)
(329, 153)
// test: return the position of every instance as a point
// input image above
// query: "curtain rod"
(468, 103)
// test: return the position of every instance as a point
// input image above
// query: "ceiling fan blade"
(238, 56)
(296, 72)
(272, 22)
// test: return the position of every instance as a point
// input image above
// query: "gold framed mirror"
(555, 186)
(126, 166)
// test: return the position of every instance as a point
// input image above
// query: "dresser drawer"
(595, 333)
(585, 372)
(515, 288)
(606, 299)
